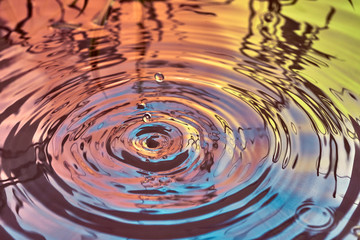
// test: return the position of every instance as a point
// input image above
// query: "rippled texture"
(179, 119)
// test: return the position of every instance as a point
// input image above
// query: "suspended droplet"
(141, 106)
(146, 117)
(159, 77)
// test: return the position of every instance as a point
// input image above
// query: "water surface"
(179, 119)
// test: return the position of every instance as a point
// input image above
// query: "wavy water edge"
(252, 133)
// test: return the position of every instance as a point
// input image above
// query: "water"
(146, 117)
(159, 77)
(179, 119)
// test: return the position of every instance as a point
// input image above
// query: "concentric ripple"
(176, 120)
(177, 145)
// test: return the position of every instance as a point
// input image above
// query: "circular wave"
(170, 142)
(173, 135)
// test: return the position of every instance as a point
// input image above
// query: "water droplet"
(146, 117)
(159, 77)
(141, 106)
(314, 217)
(268, 17)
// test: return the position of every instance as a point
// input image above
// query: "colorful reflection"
(179, 119)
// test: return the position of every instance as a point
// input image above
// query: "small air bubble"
(141, 106)
(356, 231)
(268, 17)
(159, 77)
(146, 117)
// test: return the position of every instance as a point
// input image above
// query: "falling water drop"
(159, 77)
(146, 117)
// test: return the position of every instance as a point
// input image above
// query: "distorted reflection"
(179, 119)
